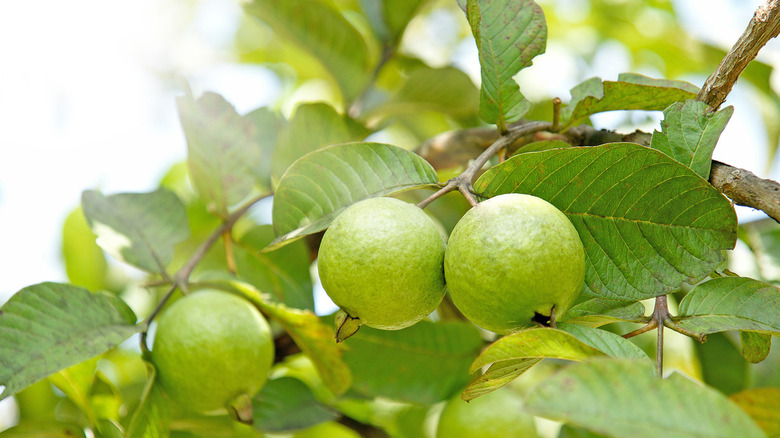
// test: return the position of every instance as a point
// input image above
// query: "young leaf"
(596, 312)
(498, 375)
(85, 262)
(283, 274)
(689, 134)
(314, 338)
(47, 327)
(763, 405)
(755, 346)
(138, 228)
(151, 417)
(313, 127)
(630, 92)
(320, 185)
(509, 34)
(623, 397)
(607, 342)
(323, 32)
(286, 404)
(648, 223)
(731, 303)
(424, 363)
(222, 149)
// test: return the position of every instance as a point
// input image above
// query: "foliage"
(650, 222)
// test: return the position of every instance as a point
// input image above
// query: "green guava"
(494, 415)
(381, 261)
(213, 351)
(511, 260)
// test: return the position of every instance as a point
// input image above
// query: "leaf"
(389, 18)
(623, 397)
(690, 134)
(284, 273)
(314, 338)
(630, 92)
(596, 312)
(286, 404)
(44, 429)
(47, 327)
(85, 263)
(75, 382)
(268, 126)
(755, 346)
(648, 223)
(604, 341)
(320, 185)
(425, 363)
(151, 417)
(721, 365)
(535, 343)
(138, 228)
(223, 154)
(498, 375)
(323, 32)
(509, 34)
(313, 127)
(763, 405)
(731, 303)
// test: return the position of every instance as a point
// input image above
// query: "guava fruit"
(511, 261)
(213, 351)
(381, 261)
(494, 415)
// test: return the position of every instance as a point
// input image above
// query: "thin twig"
(144, 333)
(764, 26)
(556, 123)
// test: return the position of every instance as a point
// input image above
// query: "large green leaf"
(138, 228)
(223, 152)
(313, 126)
(47, 327)
(722, 367)
(690, 133)
(731, 303)
(763, 405)
(320, 185)
(85, 262)
(425, 363)
(509, 34)
(283, 274)
(648, 223)
(630, 92)
(624, 398)
(324, 33)
(268, 125)
(286, 404)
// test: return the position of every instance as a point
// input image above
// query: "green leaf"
(763, 405)
(731, 303)
(223, 153)
(690, 134)
(49, 326)
(324, 33)
(85, 263)
(498, 375)
(76, 381)
(425, 363)
(284, 273)
(447, 90)
(268, 125)
(648, 223)
(313, 127)
(389, 18)
(537, 343)
(623, 397)
(630, 92)
(44, 429)
(606, 342)
(286, 404)
(755, 346)
(320, 185)
(596, 312)
(314, 338)
(151, 417)
(721, 365)
(138, 228)
(509, 34)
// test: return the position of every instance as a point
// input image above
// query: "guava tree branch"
(764, 26)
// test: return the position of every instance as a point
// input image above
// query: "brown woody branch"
(452, 149)
(764, 26)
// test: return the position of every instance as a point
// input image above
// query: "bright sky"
(86, 102)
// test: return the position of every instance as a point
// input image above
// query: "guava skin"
(510, 257)
(381, 261)
(209, 348)
(494, 415)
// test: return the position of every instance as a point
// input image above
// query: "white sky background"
(83, 103)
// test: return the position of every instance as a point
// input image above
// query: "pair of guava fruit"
(510, 262)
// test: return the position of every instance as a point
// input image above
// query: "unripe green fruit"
(512, 257)
(381, 261)
(212, 350)
(494, 415)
